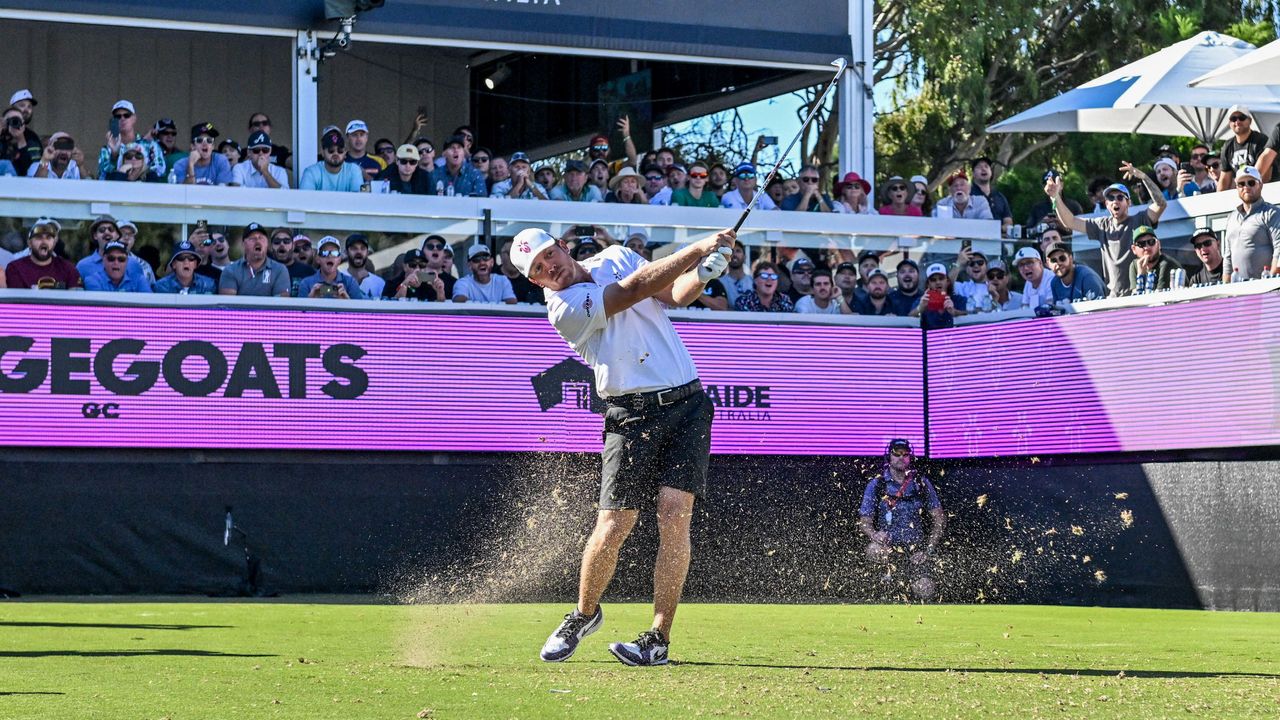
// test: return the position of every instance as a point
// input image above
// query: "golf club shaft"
(755, 197)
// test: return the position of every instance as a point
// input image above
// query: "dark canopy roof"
(733, 29)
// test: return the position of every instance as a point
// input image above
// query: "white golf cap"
(21, 95)
(356, 126)
(1026, 253)
(126, 223)
(1251, 171)
(478, 249)
(123, 105)
(328, 240)
(935, 269)
(526, 245)
(1239, 109)
(920, 179)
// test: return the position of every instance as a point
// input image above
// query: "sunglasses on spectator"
(385, 149)
(330, 253)
(996, 274)
(600, 148)
(1058, 258)
(1199, 156)
(433, 246)
(978, 262)
(896, 188)
(1239, 118)
(169, 133)
(218, 239)
(416, 266)
(122, 115)
(1215, 164)
(1247, 183)
(900, 452)
(697, 175)
(1115, 197)
(259, 151)
(809, 179)
(1202, 245)
(133, 156)
(115, 258)
(745, 175)
(802, 271)
(203, 140)
(767, 275)
(281, 240)
(1145, 242)
(260, 123)
(480, 258)
(480, 159)
(206, 242)
(653, 178)
(407, 161)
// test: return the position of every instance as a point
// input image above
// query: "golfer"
(611, 309)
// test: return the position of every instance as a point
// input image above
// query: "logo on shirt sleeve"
(587, 304)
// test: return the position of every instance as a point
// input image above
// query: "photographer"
(58, 161)
(419, 282)
(892, 517)
(329, 282)
(14, 144)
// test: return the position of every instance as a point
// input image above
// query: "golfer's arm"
(685, 289)
(650, 281)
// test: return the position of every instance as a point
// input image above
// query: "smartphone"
(427, 277)
(202, 225)
(64, 144)
(327, 290)
(422, 110)
(583, 231)
(113, 126)
(1186, 168)
(770, 139)
(966, 244)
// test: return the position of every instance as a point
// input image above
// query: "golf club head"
(839, 64)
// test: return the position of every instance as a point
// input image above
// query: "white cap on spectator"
(121, 224)
(22, 95)
(123, 105)
(1026, 253)
(920, 179)
(328, 240)
(478, 249)
(1165, 161)
(1240, 109)
(526, 245)
(935, 269)
(356, 126)
(1251, 171)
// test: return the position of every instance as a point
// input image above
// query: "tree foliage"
(956, 68)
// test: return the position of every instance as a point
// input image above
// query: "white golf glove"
(714, 266)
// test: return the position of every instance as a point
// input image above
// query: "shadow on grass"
(124, 653)
(122, 626)
(28, 692)
(1084, 672)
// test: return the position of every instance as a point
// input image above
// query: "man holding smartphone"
(419, 282)
(56, 161)
(122, 135)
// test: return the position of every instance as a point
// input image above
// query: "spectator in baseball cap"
(255, 274)
(939, 305)
(1072, 282)
(1208, 249)
(574, 187)
(407, 176)
(210, 168)
(333, 173)
(41, 268)
(330, 282)
(257, 170)
(113, 275)
(282, 251)
(744, 176)
(111, 157)
(875, 299)
(1037, 289)
(419, 281)
(481, 285)
(360, 267)
(357, 150)
(907, 295)
(182, 278)
(457, 176)
(1151, 269)
(233, 152)
(1002, 298)
(165, 131)
(520, 185)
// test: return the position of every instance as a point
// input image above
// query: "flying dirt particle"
(1122, 496)
(1100, 576)
(823, 689)
(561, 691)
(1015, 557)
(1126, 517)
(1086, 560)
(1008, 524)
(531, 523)
(1035, 460)
(1051, 531)
(770, 552)
(1120, 675)
(982, 501)
(426, 713)
(542, 438)
(1077, 530)
(919, 619)
(994, 569)
(1006, 635)
(981, 597)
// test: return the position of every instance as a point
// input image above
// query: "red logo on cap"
(524, 247)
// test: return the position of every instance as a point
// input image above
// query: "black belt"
(657, 398)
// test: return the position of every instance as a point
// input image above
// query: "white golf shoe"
(560, 646)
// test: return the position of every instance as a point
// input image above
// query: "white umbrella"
(1151, 96)
(1260, 67)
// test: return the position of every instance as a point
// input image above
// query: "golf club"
(840, 64)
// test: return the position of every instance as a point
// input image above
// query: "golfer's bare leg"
(675, 514)
(600, 557)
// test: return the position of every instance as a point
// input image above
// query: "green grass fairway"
(189, 660)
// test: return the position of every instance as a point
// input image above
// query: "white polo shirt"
(636, 350)
(1034, 297)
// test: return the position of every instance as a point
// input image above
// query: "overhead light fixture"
(498, 77)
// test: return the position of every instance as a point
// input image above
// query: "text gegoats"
(247, 371)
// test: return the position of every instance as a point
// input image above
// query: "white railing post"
(306, 110)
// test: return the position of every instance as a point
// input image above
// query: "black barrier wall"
(511, 527)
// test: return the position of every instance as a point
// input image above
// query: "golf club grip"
(741, 219)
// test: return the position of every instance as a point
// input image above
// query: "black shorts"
(661, 446)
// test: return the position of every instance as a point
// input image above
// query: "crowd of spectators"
(1042, 272)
